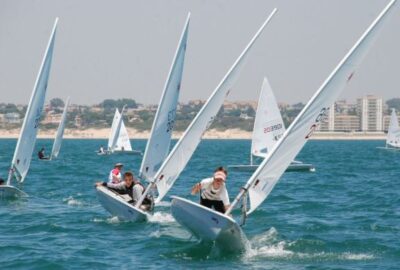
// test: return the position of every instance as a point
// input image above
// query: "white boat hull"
(209, 225)
(130, 152)
(118, 207)
(295, 166)
(390, 148)
(125, 152)
(8, 192)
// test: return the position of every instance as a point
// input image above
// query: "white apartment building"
(370, 110)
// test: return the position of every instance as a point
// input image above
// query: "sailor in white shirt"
(213, 191)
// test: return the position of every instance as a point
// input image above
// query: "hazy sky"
(115, 49)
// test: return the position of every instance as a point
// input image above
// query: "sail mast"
(60, 132)
(158, 144)
(185, 147)
(268, 173)
(26, 141)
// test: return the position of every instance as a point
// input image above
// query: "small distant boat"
(268, 129)
(26, 142)
(60, 133)
(159, 142)
(393, 136)
(118, 141)
(221, 229)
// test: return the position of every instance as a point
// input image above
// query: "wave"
(267, 245)
(110, 220)
(161, 217)
(73, 202)
(164, 204)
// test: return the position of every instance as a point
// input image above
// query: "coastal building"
(341, 117)
(347, 123)
(328, 123)
(52, 118)
(12, 118)
(245, 116)
(386, 121)
(370, 110)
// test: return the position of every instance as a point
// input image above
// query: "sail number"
(321, 116)
(272, 128)
(171, 120)
(37, 118)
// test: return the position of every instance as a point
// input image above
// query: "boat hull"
(390, 148)
(118, 207)
(131, 152)
(8, 192)
(208, 225)
(295, 166)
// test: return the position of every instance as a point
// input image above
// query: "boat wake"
(268, 245)
(110, 220)
(163, 204)
(161, 217)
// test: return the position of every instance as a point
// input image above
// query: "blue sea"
(346, 215)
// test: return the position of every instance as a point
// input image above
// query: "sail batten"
(158, 145)
(27, 138)
(60, 132)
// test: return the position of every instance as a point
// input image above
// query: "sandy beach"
(210, 134)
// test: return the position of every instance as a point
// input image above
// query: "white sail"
(393, 137)
(278, 159)
(185, 147)
(60, 133)
(27, 138)
(123, 142)
(268, 125)
(160, 138)
(112, 138)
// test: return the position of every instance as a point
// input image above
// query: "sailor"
(41, 154)
(213, 193)
(101, 150)
(2, 182)
(130, 185)
(115, 175)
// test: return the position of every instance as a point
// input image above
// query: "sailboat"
(118, 141)
(211, 226)
(175, 162)
(268, 129)
(60, 133)
(393, 136)
(160, 138)
(27, 138)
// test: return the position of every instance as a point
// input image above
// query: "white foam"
(161, 217)
(268, 245)
(356, 256)
(73, 202)
(155, 234)
(163, 203)
(111, 220)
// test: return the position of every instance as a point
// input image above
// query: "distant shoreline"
(103, 133)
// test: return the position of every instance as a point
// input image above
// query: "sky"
(124, 48)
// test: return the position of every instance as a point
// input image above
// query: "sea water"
(346, 215)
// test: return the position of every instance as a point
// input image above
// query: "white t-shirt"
(137, 192)
(210, 193)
